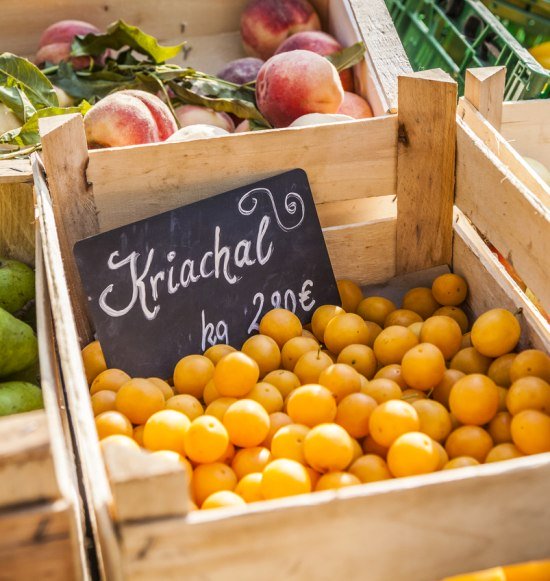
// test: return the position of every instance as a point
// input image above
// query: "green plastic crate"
(527, 20)
(459, 34)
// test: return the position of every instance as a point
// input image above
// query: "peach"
(241, 71)
(65, 100)
(55, 43)
(197, 115)
(539, 168)
(65, 31)
(321, 43)
(199, 131)
(319, 119)
(60, 51)
(265, 24)
(161, 113)
(243, 126)
(128, 118)
(292, 84)
(355, 106)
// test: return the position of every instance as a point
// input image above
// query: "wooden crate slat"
(364, 253)
(526, 126)
(37, 542)
(209, 53)
(27, 469)
(360, 527)
(491, 285)
(183, 174)
(356, 211)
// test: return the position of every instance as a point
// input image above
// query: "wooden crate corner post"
(65, 155)
(136, 479)
(425, 170)
(484, 89)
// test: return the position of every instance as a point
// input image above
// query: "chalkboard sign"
(205, 273)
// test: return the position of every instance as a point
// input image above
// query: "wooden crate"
(41, 515)
(212, 30)
(384, 192)
(504, 132)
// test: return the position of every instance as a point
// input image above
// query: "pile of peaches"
(295, 84)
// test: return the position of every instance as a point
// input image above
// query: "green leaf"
(347, 57)
(19, 72)
(213, 87)
(242, 108)
(28, 134)
(89, 85)
(120, 35)
(127, 57)
(197, 88)
(257, 125)
(16, 100)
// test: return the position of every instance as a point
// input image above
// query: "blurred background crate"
(527, 20)
(458, 34)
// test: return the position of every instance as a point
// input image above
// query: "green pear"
(18, 344)
(16, 285)
(17, 397)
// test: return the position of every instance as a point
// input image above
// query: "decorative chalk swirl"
(292, 202)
